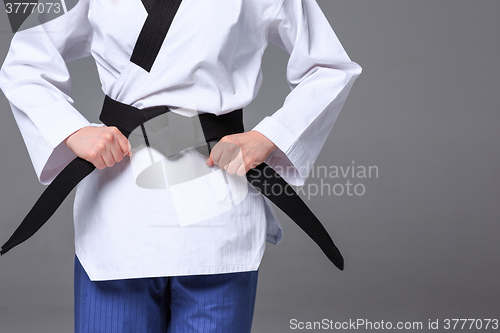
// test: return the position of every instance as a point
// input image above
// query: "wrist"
(268, 144)
(69, 136)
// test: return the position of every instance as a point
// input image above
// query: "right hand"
(101, 146)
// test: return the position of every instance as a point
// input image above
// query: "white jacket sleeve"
(320, 75)
(35, 79)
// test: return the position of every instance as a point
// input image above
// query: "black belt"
(127, 118)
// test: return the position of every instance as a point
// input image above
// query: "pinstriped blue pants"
(216, 303)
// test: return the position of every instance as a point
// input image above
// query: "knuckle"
(108, 137)
(100, 146)
(92, 155)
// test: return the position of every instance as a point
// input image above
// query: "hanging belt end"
(5, 248)
(337, 259)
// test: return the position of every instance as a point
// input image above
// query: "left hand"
(238, 153)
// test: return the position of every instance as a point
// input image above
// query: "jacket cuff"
(55, 154)
(290, 159)
(67, 121)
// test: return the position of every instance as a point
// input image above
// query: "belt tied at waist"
(204, 128)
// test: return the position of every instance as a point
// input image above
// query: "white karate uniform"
(209, 62)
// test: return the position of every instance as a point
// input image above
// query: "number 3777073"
(32, 7)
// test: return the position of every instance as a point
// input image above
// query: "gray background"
(420, 244)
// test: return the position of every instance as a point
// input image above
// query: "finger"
(95, 156)
(129, 152)
(224, 152)
(230, 153)
(242, 170)
(232, 167)
(99, 163)
(216, 152)
(124, 144)
(108, 158)
(116, 152)
(117, 148)
(235, 164)
(225, 159)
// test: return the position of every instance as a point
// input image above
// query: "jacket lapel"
(161, 13)
(148, 4)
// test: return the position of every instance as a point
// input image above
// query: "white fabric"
(210, 61)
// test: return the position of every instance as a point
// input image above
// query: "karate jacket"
(209, 62)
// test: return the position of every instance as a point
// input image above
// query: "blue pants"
(177, 304)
